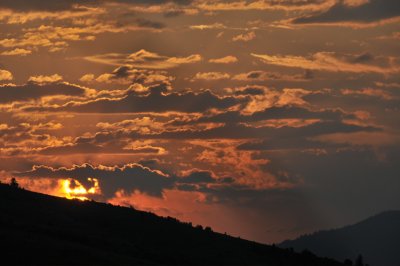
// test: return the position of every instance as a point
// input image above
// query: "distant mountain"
(377, 239)
(37, 229)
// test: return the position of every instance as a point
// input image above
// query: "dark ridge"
(377, 239)
(38, 229)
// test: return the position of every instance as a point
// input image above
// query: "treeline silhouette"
(38, 229)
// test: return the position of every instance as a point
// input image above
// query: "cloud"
(230, 59)
(59, 5)
(332, 62)
(245, 37)
(17, 51)
(393, 36)
(143, 124)
(126, 75)
(369, 92)
(250, 90)
(90, 147)
(215, 26)
(5, 75)
(126, 178)
(41, 79)
(354, 13)
(145, 23)
(53, 38)
(367, 99)
(24, 138)
(144, 59)
(272, 113)
(287, 5)
(32, 91)
(87, 78)
(57, 38)
(259, 75)
(112, 179)
(211, 76)
(154, 99)
(243, 131)
(23, 5)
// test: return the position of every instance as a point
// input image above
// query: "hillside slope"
(45, 230)
(376, 238)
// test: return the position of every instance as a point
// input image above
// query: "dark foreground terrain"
(38, 229)
(376, 238)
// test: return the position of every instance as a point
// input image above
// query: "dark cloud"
(112, 179)
(113, 147)
(353, 100)
(289, 143)
(26, 5)
(145, 23)
(198, 177)
(363, 58)
(240, 131)
(128, 177)
(250, 91)
(121, 72)
(276, 112)
(259, 75)
(157, 100)
(59, 5)
(126, 75)
(12, 135)
(371, 11)
(31, 91)
(173, 13)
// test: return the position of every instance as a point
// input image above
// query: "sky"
(265, 119)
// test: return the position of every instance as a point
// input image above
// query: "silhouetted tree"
(14, 183)
(359, 261)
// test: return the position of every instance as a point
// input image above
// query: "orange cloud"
(369, 92)
(46, 79)
(144, 59)
(328, 61)
(287, 5)
(245, 37)
(211, 76)
(224, 60)
(17, 51)
(217, 26)
(259, 75)
(5, 75)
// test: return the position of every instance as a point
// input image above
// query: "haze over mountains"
(37, 229)
(376, 238)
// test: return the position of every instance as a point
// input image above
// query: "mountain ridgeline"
(38, 229)
(376, 238)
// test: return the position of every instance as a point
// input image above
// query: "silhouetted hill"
(45, 230)
(376, 238)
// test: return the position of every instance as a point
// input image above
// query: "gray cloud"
(157, 100)
(128, 177)
(31, 91)
(276, 112)
(373, 10)
(238, 131)
(112, 179)
(58, 5)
